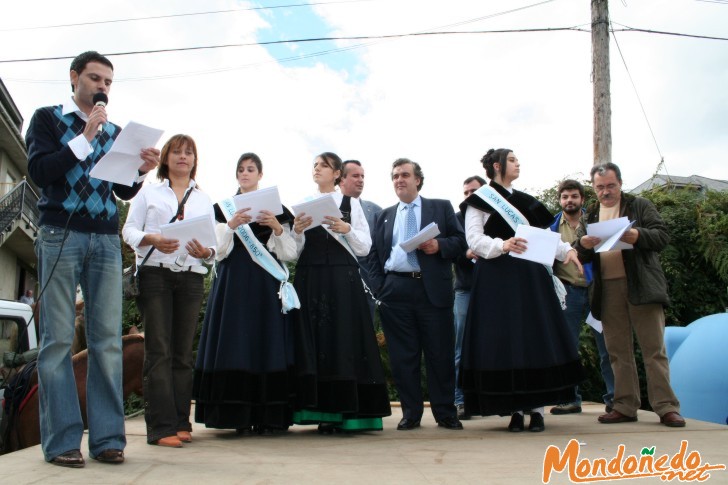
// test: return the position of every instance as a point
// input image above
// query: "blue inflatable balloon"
(698, 357)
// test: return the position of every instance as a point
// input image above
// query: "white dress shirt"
(284, 246)
(154, 206)
(397, 260)
(359, 238)
(491, 247)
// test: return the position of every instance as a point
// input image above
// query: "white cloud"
(440, 100)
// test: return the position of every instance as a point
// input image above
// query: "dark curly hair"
(499, 155)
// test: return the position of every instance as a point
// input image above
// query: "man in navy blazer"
(415, 290)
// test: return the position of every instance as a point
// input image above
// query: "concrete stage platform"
(484, 453)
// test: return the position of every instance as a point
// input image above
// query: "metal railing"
(20, 201)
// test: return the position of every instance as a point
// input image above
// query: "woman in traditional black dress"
(341, 379)
(244, 375)
(518, 352)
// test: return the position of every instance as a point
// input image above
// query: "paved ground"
(483, 453)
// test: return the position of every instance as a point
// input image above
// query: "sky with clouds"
(441, 100)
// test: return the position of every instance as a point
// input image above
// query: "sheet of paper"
(541, 243)
(318, 208)
(609, 232)
(200, 228)
(426, 233)
(258, 200)
(594, 323)
(121, 163)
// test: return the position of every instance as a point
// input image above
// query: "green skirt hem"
(341, 422)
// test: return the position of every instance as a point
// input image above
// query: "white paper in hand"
(318, 208)
(120, 165)
(200, 228)
(263, 199)
(428, 232)
(541, 244)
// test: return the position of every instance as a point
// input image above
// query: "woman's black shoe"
(536, 425)
(516, 424)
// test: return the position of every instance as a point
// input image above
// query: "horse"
(24, 426)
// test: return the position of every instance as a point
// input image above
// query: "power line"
(294, 41)
(191, 14)
(639, 100)
(661, 32)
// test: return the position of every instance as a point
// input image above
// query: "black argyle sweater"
(67, 189)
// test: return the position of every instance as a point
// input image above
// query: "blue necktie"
(410, 229)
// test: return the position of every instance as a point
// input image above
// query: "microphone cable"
(66, 230)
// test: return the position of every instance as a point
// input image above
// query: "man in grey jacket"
(630, 291)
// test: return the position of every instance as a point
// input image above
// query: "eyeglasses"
(602, 188)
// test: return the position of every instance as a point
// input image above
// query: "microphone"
(100, 99)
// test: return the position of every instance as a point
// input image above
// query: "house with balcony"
(18, 206)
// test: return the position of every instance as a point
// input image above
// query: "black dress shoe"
(70, 459)
(536, 425)
(406, 424)
(450, 422)
(516, 424)
(110, 456)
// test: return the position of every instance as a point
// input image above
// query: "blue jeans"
(94, 262)
(460, 311)
(577, 308)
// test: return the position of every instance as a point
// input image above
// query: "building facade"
(18, 206)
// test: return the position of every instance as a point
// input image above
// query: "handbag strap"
(180, 208)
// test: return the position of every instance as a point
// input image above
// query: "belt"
(407, 274)
(179, 269)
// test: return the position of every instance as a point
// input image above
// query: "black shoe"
(462, 415)
(111, 455)
(450, 422)
(70, 459)
(570, 408)
(536, 425)
(407, 424)
(327, 428)
(516, 424)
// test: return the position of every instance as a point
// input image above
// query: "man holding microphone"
(78, 243)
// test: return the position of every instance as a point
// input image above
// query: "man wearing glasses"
(630, 291)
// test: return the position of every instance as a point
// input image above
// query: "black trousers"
(169, 304)
(412, 327)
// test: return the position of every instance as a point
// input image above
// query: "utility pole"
(600, 78)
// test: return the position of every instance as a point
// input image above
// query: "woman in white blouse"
(340, 374)
(171, 285)
(244, 377)
(518, 352)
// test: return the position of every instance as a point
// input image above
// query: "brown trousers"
(620, 318)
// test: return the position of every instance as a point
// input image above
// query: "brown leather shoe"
(70, 459)
(110, 456)
(169, 442)
(615, 416)
(673, 420)
(184, 436)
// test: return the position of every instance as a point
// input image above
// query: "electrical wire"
(639, 100)
(191, 14)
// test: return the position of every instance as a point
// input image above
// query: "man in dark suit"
(352, 184)
(417, 298)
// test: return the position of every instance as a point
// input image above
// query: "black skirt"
(244, 375)
(337, 356)
(518, 352)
